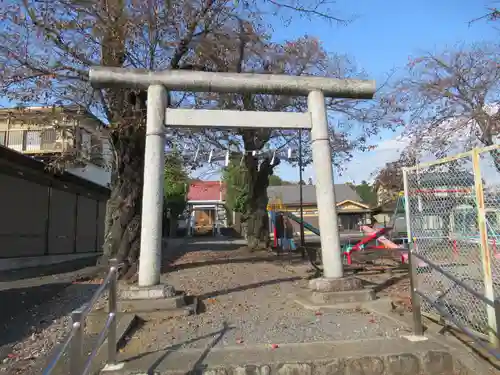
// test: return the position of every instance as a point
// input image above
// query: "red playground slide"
(371, 235)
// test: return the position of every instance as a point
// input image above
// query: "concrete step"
(364, 357)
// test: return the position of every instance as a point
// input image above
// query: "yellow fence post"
(485, 251)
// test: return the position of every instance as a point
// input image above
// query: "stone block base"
(155, 300)
(157, 304)
(332, 298)
(346, 292)
(353, 357)
(134, 292)
(327, 285)
(96, 320)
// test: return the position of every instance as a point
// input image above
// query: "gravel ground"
(247, 302)
(245, 298)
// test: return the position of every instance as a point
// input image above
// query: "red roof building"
(206, 205)
(206, 191)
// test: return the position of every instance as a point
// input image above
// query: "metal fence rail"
(417, 296)
(453, 221)
(80, 364)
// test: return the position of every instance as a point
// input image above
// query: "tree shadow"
(48, 270)
(379, 287)
(172, 251)
(218, 245)
(267, 258)
(30, 310)
(248, 286)
(198, 364)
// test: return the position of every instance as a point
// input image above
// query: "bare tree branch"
(452, 98)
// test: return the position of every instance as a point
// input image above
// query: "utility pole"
(301, 197)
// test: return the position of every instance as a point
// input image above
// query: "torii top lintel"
(279, 84)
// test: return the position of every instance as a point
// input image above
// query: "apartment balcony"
(49, 143)
(33, 141)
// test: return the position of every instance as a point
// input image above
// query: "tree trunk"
(258, 229)
(173, 227)
(124, 207)
(256, 216)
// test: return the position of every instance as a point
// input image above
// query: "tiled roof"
(289, 194)
(206, 191)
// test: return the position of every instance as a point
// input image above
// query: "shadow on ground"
(192, 244)
(217, 337)
(259, 257)
(225, 251)
(28, 311)
(379, 287)
(54, 269)
(242, 288)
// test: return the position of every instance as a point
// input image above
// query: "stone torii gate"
(159, 116)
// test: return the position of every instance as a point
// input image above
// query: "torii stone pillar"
(158, 116)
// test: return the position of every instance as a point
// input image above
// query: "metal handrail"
(74, 339)
(416, 307)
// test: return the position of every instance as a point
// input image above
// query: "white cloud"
(365, 164)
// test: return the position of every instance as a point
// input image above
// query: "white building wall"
(93, 173)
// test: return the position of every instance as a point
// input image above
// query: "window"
(492, 223)
(48, 141)
(33, 140)
(2, 138)
(16, 140)
(466, 222)
(96, 150)
(85, 144)
(433, 222)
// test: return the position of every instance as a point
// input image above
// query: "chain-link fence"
(453, 218)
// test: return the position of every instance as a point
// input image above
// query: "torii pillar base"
(340, 293)
(161, 299)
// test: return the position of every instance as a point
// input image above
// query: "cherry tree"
(47, 47)
(452, 100)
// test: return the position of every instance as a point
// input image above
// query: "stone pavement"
(369, 357)
(250, 323)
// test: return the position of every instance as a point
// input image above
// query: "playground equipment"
(464, 227)
(307, 226)
(384, 238)
(272, 207)
(362, 245)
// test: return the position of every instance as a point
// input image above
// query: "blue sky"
(383, 36)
